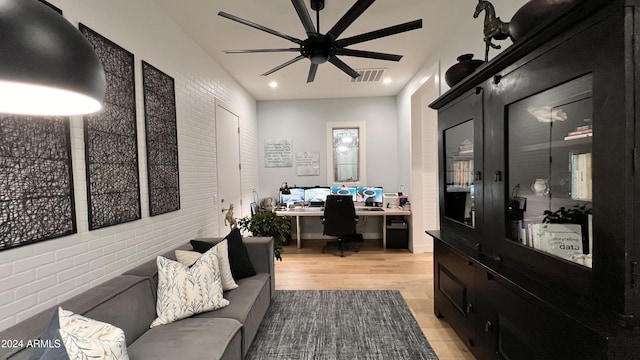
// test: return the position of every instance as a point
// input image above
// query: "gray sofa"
(129, 302)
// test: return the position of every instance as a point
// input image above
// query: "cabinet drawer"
(519, 328)
(454, 282)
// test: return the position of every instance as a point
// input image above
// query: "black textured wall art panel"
(162, 140)
(36, 181)
(111, 142)
(54, 8)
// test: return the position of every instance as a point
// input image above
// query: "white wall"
(40, 275)
(304, 122)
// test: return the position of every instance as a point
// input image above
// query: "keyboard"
(370, 209)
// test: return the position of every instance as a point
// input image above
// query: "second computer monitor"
(369, 194)
(344, 190)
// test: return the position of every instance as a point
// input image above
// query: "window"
(346, 153)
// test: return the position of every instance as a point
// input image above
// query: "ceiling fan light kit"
(320, 48)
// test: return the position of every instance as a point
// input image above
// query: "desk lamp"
(46, 66)
(284, 190)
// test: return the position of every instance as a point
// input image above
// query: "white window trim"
(362, 151)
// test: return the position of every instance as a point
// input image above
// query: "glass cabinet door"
(549, 161)
(461, 160)
(459, 189)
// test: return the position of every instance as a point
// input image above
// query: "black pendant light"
(46, 66)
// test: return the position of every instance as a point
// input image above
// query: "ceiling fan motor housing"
(318, 49)
(317, 5)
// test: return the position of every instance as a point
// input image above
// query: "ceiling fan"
(320, 48)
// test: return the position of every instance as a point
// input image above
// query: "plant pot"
(466, 66)
(534, 13)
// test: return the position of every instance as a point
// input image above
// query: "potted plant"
(268, 224)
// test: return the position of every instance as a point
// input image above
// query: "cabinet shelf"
(557, 144)
(456, 188)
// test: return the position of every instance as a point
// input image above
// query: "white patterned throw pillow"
(84, 338)
(188, 258)
(184, 291)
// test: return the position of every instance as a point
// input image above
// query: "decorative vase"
(534, 13)
(466, 66)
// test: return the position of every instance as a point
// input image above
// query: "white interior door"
(228, 159)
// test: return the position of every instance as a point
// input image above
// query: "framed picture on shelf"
(562, 240)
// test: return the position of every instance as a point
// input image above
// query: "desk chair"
(339, 220)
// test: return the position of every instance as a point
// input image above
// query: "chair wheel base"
(341, 245)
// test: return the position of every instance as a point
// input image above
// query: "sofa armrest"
(260, 251)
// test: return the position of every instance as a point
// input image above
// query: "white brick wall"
(35, 277)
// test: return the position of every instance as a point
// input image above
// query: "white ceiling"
(199, 20)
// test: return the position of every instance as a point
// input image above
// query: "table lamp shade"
(47, 67)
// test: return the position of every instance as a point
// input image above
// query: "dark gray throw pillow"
(201, 246)
(50, 345)
(239, 261)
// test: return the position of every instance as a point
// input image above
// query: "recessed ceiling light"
(387, 80)
(273, 84)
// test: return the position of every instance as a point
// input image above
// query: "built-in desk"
(360, 211)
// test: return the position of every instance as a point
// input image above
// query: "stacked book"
(580, 132)
(462, 174)
(466, 147)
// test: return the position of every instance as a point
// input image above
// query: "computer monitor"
(369, 194)
(297, 195)
(344, 190)
(316, 195)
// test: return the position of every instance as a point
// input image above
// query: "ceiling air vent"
(368, 75)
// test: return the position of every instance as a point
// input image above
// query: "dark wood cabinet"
(538, 248)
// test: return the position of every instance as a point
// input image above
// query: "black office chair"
(339, 220)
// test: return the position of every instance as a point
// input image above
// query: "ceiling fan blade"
(260, 51)
(303, 13)
(391, 30)
(349, 17)
(344, 67)
(368, 54)
(312, 72)
(259, 27)
(298, 58)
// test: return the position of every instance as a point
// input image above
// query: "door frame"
(238, 208)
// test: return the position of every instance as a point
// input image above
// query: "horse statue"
(229, 219)
(494, 28)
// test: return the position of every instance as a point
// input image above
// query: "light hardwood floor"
(372, 268)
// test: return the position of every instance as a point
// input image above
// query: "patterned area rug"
(338, 324)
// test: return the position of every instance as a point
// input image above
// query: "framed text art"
(36, 180)
(111, 143)
(277, 153)
(162, 140)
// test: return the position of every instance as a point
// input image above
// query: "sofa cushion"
(126, 302)
(247, 304)
(241, 266)
(132, 310)
(150, 268)
(184, 291)
(190, 339)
